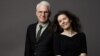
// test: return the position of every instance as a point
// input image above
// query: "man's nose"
(43, 14)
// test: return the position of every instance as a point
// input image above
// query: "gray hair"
(45, 3)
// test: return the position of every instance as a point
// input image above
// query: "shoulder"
(56, 38)
(50, 27)
(82, 35)
(31, 26)
(57, 35)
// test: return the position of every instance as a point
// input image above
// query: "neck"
(68, 31)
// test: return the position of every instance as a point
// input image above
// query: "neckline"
(70, 36)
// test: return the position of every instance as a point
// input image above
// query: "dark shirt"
(70, 46)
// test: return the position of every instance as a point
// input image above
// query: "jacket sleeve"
(27, 44)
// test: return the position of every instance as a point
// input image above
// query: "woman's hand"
(83, 54)
(58, 55)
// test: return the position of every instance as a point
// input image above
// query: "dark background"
(16, 15)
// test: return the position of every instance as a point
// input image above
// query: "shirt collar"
(43, 25)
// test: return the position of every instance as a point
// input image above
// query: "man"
(39, 35)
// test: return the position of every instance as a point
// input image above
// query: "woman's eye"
(64, 18)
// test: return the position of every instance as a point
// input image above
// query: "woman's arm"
(83, 45)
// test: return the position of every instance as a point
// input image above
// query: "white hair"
(44, 3)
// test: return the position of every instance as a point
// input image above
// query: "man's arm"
(27, 44)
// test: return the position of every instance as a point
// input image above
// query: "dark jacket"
(44, 46)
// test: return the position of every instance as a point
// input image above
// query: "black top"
(70, 46)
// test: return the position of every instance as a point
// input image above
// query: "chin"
(42, 21)
(66, 27)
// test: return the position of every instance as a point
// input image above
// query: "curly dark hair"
(75, 24)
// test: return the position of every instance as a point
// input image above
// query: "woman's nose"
(62, 22)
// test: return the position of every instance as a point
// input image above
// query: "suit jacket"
(44, 46)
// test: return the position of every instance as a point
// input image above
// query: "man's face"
(42, 13)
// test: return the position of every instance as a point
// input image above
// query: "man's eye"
(46, 12)
(40, 11)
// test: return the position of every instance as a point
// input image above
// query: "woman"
(69, 40)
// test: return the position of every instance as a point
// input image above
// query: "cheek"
(46, 15)
(60, 25)
(38, 15)
(68, 25)
(68, 22)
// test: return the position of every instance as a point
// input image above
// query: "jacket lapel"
(33, 33)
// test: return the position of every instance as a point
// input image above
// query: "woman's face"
(64, 21)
